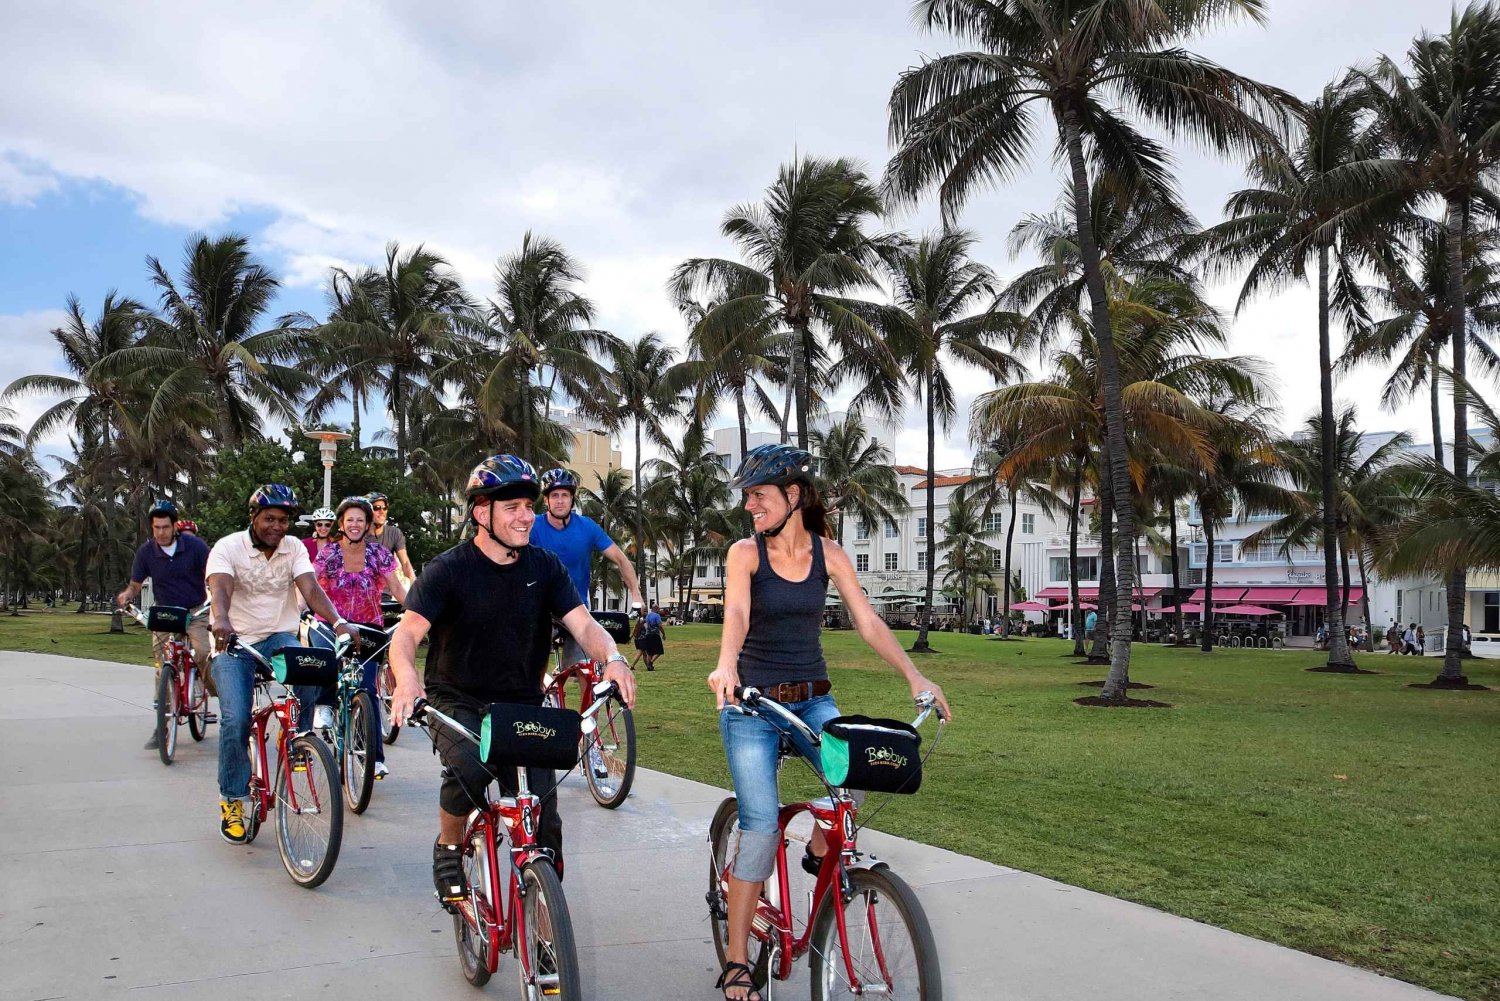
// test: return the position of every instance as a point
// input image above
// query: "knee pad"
(755, 855)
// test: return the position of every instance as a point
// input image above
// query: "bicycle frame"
(285, 709)
(836, 816)
(177, 657)
(519, 816)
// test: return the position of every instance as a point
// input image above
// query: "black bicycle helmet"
(163, 508)
(275, 495)
(376, 496)
(359, 502)
(555, 479)
(503, 477)
(773, 465)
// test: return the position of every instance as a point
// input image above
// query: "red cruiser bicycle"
(530, 917)
(607, 752)
(305, 798)
(864, 927)
(180, 693)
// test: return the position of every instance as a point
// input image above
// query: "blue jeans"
(234, 674)
(752, 745)
(329, 696)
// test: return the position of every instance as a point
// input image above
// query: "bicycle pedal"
(210, 717)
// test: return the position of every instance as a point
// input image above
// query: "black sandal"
(742, 978)
(812, 864)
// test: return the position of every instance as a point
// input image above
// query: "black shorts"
(466, 779)
(650, 644)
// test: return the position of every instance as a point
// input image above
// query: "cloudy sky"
(322, 131)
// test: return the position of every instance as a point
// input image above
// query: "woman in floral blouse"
(354, 572)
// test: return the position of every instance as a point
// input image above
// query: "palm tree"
(643, 392)
(344, 369)
(542, 322)
(858, 473)
(966, 556)
(1413, 291)
(804, 247)
(202, 351)
(612, 503)
(1244, 479)
(1318, 205)
(964, 121)
(932, 323)
(94, 402)
(1369, 497)
(688, 483)
(741, 360)
(1441, 122)
(999, 480)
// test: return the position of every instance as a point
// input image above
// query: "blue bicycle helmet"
(503, 477)
(275, 495)
(773, 465)
(559, 479)
(163, 508)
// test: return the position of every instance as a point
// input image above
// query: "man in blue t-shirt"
(176, 562)
(575, 538)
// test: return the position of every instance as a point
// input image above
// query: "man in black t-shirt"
(488, 606)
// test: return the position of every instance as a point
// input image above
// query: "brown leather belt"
(796, 691)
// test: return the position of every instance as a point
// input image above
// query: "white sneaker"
(323, 718)
(381, 771)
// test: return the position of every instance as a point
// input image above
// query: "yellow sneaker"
(232, 821)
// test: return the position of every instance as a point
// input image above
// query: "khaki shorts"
(197, 639)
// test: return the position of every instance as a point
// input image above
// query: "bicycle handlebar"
(423, 714)
(926, 703)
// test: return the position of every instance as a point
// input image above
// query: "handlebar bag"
(876, 755)
(529, 736)
(617, 624)
(305, 665)
(167, 619)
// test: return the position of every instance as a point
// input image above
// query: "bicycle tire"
(309, 864)
(389, 731)
(870, 888)
(357, 763)
(542, 894)
(197, 706)
(166, 714)
(614, 738)
(473, 953)
(720, 840)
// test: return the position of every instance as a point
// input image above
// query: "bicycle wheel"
(723, 834)
(309, 830)
(197, 707)
(609, 755)
(386, 683)
(890, 942)
(479, 943)
(166, 713)
(549, 966)
(361, 736)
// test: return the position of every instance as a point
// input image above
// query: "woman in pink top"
(320, 540)
(354, 570)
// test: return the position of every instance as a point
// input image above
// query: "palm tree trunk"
(921, 643)
(1458, 594)
(1207, 643)
(1107, 590)
(1075, 614)
(1364, 600)
(786, 406)
(1437, 411)
(398, 405)
(354, 429)
(1176, 581)
(1347, 582)
(746, 523)
(640, 505)
(1115, 686)
(229, 432)
(803, 378)
(1010, 534)
(525, 400)
(1339, 657)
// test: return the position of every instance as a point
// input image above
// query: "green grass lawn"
(1347, 816)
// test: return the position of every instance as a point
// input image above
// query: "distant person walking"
(1393, 639)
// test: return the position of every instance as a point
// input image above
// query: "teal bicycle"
(356, 729)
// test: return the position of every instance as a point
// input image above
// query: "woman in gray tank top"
(776, 584)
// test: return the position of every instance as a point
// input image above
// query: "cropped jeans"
(234, 673)
(752, 745)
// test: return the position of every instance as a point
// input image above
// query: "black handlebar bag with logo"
(305, 665)
(167, 619)
(529, 736)
(875, 755)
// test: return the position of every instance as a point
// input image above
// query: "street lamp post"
(328, 450)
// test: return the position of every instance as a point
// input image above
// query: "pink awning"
(1315, 596)
(1229, 594)
(1031, 606)
(1271, 595)
(1187, 609)
(1245, 610)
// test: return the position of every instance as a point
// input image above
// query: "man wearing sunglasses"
(389, 535)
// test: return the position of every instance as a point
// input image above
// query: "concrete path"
(114, 883)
